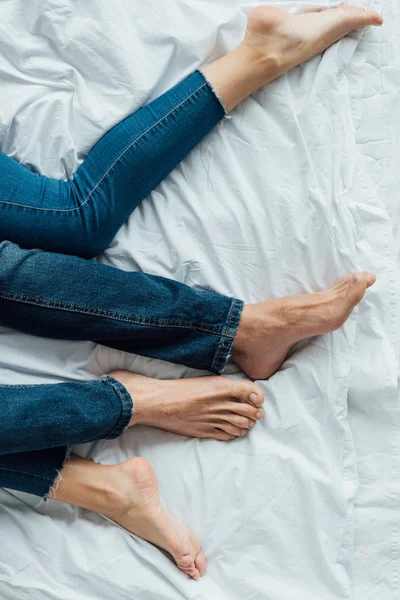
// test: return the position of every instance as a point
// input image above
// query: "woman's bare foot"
(202, 407)
(128, 494)
(268, 330)
(140, 512)
(277, 41)
(293, 39)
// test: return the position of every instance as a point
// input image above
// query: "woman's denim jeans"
(82, 216)
(48, 293)
(41, 421)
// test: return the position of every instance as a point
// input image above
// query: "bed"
(298, 188)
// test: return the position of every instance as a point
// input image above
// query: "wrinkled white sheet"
(298, 188)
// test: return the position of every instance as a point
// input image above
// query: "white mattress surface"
(300, 187)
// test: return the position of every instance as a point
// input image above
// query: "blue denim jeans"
(41, 421)
(82, 216)
(52, 294)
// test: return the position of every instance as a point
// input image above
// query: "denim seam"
(221, 348)
(104, 433)
(216, 94)
(69, 210)
(20, 386)
(223, 351)
(76, 308)
(27, 473)
(127, 407)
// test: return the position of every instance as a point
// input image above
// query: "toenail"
(259, 414)
(253, 397)
(251, 425)
(243, 432)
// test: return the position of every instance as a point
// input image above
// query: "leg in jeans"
(37, 417)
(65, 297)
(274, 43)
(128, 493)
(82, 216)
(43, 420)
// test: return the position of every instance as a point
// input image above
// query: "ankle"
(243, 334)
(240, 73)
(90, 485)
(263, 67)
(112, 496)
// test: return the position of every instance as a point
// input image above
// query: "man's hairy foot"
(268, 330)
(289, 40)
(202, 407)
(134, 504)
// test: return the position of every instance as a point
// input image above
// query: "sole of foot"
(134, 504)
(201, 407)
(268, 330)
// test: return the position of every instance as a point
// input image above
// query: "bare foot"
(128, 494)
(137, 508)
(275, 42)
(202, 407)
(268, 330)
(293, 39)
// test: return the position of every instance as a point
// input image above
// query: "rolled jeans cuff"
(127, 409)
(224, 349)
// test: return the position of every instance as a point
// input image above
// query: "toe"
(187, 565)
(192, 562)
(245, 410)
(249, 392)
(359, 17)
(233, 429)
(186, 562)
(357, 286)
(221, 435)
(201, 563)
(240, 421)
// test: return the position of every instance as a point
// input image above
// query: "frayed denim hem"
(214, 91)
(57, 478)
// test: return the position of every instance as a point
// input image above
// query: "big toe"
(249, 392)
(201, 563)
(360, 17)
(358, 284)
(187, 553)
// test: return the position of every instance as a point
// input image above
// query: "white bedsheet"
(300, 187)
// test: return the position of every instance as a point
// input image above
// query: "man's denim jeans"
(52, 294)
